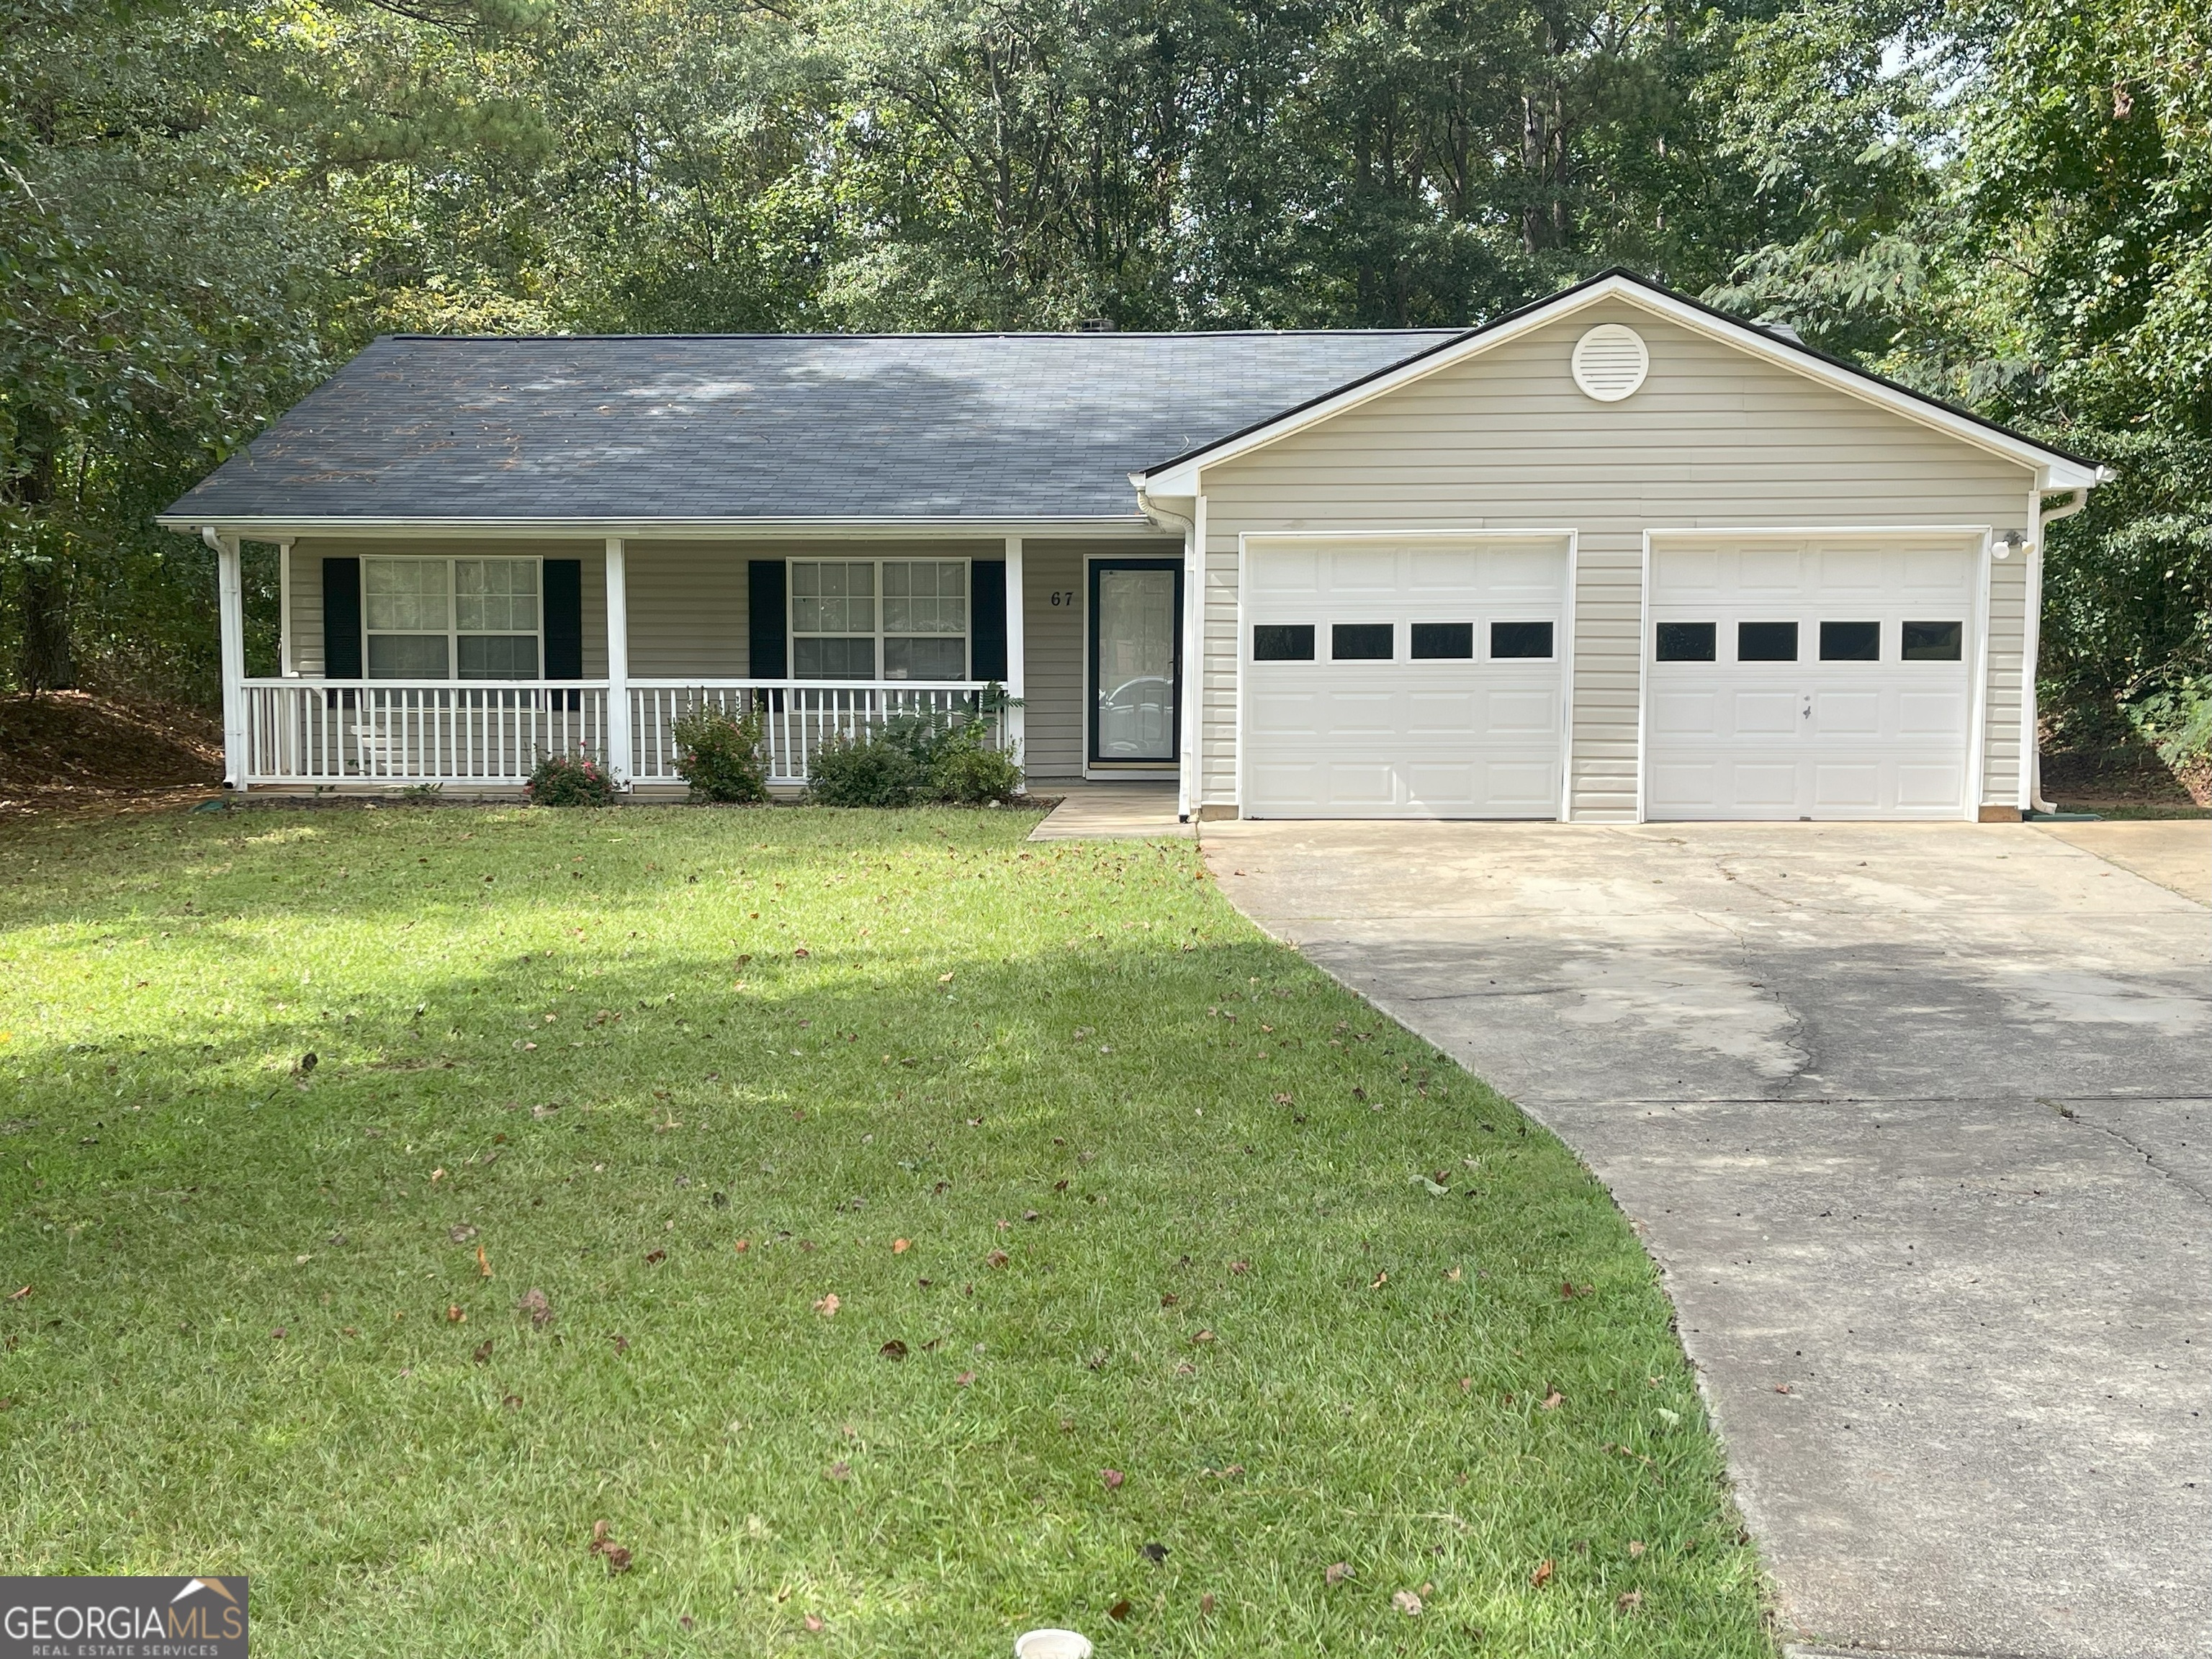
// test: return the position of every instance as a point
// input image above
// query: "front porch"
(387, 735)
(458, 662)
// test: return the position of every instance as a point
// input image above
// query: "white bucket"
(1052, 1644)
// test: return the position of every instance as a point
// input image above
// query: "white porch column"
(284, 669)
(1017, 651)
(230, 606)
(618, 760)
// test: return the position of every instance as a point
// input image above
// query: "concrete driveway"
(1917, 1120)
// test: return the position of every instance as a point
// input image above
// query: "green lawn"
(1178, 1208)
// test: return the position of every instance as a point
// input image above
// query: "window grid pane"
(833, 597)
(495, 596)
(406, 596)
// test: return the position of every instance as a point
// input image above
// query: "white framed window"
(893, 619)
(448, 619)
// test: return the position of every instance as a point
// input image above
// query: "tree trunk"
(43, 661)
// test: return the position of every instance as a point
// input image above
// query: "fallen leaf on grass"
(1170, 1299)
(483, 1355)
(1629, 1600)
(1112, 1478)
(620, 1342)
(893, 1349)
(1379, 1280)
(1465, 1384)
(1636, 1547)
(742, 1246)
(963, 1379)
(1205, 1605)
(1203, 1336)
(454, 1314)
(483, 1263)
(1240, 1266)
(278, 1333)
(839, 1470)
(1543, 1574)
(1337, 1573)
(1407, 1603)
(1118, 1611)
(1154, 1553)
(655, 1258)
(811, 1623)
(996, 1258)
(1451, 1275)
(617, 1556)
(534, 1303)
(17, 1295)
(901, 1246)
(1551, 1401)
(511, 1401)
(462, 1234)
(828, 1306)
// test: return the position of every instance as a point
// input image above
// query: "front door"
(1136, 661)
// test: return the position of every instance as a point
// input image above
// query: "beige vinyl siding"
(2008, 641)
(1715, 438)
(686, 609)
(308, 554)
(1052, 625)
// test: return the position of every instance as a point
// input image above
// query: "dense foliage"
(719, 753)
(203, 208)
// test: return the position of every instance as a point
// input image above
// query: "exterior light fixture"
(2009, 542)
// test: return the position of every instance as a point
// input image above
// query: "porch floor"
(1113, 812)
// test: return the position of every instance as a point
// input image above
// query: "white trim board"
(2052, 469)
(597, 529)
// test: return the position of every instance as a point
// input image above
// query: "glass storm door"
(1136, 668)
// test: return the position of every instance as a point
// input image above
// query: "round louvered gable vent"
(1610, 362)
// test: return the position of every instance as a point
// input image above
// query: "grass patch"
(1176, 1206)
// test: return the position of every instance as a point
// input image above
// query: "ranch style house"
(1615, 557)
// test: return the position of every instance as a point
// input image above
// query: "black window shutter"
(987, 620)
(764, 619)
(341, 619)
(564, 619)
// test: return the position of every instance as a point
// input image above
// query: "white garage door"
(1810, 679)
(1422, 677)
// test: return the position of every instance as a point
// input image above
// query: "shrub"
(969, 775)
(719, 755)
(570, 780)
(877, 770)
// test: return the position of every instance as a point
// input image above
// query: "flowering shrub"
(570, 780)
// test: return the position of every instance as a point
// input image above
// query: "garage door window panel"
(1363, 642)
(1283, 642)
(1767, 641)
(1443, 642)
(1933, 642)
(1851, 641)
(1686, 641)
(1521, 641)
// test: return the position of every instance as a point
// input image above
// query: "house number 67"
(1064, 596)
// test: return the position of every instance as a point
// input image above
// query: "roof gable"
(2055, 469)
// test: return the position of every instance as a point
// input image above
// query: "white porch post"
(230, 607)
(284, 669)
(1017, 652)
(618, 761)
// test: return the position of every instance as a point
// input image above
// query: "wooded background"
(203, 208)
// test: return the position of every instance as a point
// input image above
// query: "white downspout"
(2031, 722)
(618, 731)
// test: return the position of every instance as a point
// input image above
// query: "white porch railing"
(796, 716)
(355, 731)
(397, 732)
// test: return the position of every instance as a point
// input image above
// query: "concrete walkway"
(1915, 1118)
(1111, 811)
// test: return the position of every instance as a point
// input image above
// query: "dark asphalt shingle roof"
(974, 426)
